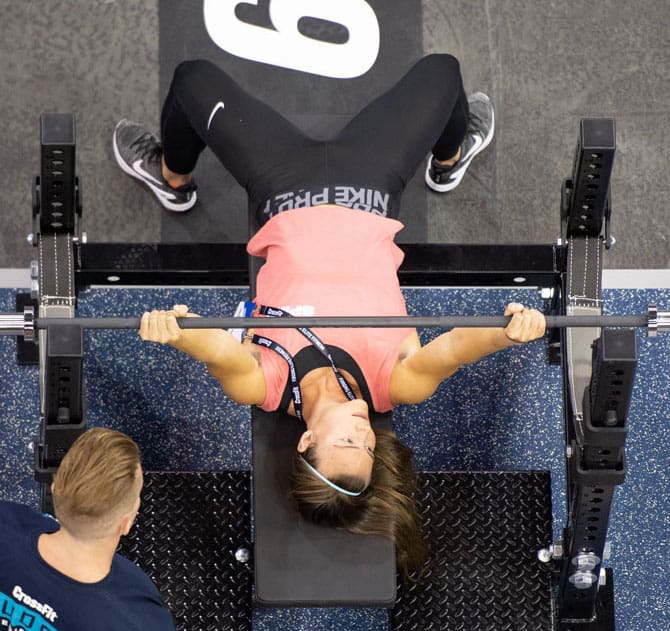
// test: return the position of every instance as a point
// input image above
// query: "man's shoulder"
(127, 569)
(21, 518)
(130, 579)
(132, 588)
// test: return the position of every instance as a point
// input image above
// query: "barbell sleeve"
(12, 323)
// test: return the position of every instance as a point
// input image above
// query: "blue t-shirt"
(36, 597)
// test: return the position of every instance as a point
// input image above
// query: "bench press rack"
(599, 367)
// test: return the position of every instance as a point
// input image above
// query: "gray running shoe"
(481, 125)
(139, 154)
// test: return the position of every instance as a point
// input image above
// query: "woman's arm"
(233, 365)
(416, 377)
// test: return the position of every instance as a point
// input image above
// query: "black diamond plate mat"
(483, 531)
(188, 530)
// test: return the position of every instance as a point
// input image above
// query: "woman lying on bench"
(332, 254)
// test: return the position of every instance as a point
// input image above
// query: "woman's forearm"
(447, 353)
(217, 348)
(470, 345)
(211, 346)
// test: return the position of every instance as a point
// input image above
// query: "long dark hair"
(386, 507)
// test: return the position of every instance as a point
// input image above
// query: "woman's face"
(342, 439)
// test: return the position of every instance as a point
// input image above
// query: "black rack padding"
(57, 174)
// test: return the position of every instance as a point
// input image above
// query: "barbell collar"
(657, 321)
(29, 323)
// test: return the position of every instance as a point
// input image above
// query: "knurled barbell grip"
(445, 322)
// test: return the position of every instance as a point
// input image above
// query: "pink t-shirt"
(331, 261)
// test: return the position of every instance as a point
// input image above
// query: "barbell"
(26, 323)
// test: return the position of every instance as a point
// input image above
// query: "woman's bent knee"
(186, 70)
(440, 64)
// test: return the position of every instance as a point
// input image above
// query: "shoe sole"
(177, 208)
(450, 186)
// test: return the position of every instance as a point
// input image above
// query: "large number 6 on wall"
(287, 47)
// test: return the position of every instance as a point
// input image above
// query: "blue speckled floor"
(503, 413)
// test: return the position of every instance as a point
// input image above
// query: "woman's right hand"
(161, 326)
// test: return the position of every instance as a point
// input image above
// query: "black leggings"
(367, 165)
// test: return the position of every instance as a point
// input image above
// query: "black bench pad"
(298, 563)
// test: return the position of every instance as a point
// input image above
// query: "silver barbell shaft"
(13, 323)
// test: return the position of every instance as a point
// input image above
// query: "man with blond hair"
(65, 575)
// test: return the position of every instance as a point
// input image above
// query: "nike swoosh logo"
(217, 107)
(159, 185)
(473, 149)
(138, 169)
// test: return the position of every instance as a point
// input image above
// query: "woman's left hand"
(161, 326)
(525, 325)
